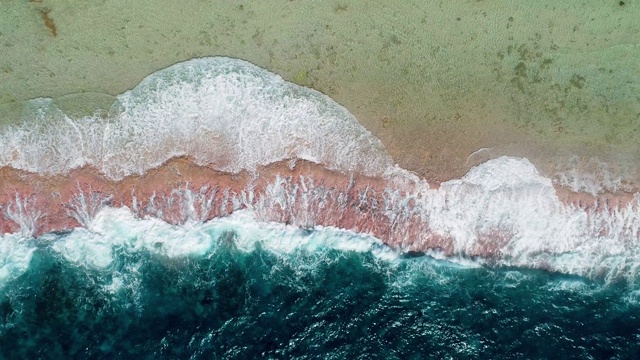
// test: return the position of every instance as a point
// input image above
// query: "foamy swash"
(207, 138)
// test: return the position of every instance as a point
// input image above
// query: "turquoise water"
(320, 301)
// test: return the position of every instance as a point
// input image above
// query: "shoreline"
(299, 193)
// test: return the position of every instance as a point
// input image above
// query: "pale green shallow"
(527, 78)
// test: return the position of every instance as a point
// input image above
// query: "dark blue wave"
(329, 304)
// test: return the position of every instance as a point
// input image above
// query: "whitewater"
(220, 198)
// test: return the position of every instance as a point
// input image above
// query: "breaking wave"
(235, 287)
(220, 111)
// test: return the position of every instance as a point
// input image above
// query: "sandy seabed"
(435, 81)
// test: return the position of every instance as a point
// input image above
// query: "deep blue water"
(325, 304)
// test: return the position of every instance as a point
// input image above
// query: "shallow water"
(546, 78)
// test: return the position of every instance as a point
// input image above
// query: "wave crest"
(220, 111)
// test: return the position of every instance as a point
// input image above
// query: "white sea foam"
(15, 256)
(25, 212)
(507, 200)
(220, 111)
(118, 228)
(594, 176)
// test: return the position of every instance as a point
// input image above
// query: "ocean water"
(238, 288)
(243, 289)
(266, 280)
